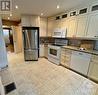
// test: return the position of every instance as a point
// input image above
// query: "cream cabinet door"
(93, 70)
(93, 26)
(81, 25)
(57, 24)
(43, 27)
(72, 24)
(42, 50)
(26, 20)
(51, 26)
(64, 23)
(66, 57)
(46, 51)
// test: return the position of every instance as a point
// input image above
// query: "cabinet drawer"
(66, 57)
(68, 51)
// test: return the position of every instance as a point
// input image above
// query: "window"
(82, 11)
(94, 8)
(64, 16)
(58, 17)
(73, 13)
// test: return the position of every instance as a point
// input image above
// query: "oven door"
(54, 52)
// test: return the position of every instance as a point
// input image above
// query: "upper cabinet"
(71, 30)
(57, 24)
(31, 21)
(93, 26)
(43, 27)
(71, 24)
(64, 21)
(93, 22)
(51, 26)
(82, 20)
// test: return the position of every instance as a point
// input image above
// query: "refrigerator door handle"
(36, 39)
(28, 40)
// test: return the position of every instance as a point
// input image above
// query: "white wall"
(3, 54)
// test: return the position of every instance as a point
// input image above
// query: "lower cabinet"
(46, 51)
(41, 50)
(93, 69)
(65, 57)
(84, 63)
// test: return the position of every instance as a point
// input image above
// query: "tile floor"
(44, 78)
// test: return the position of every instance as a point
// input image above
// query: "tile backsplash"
(87, 44)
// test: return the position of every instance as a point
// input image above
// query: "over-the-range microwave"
(59, 33)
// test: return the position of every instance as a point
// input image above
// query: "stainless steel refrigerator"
(31, 43)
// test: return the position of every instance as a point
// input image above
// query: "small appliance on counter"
(87, 45)
(31, 43)
(54, 50)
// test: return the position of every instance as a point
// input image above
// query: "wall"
(3, 54)
(17, 37)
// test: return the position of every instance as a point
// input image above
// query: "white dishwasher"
(80, 62)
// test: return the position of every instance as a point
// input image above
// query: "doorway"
(8, 37)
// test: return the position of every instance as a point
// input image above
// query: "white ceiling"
(36, 7)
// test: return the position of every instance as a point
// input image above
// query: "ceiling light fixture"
(10, 14)
(58, 7)
(8, 18)
(41, 14)
(16, 6)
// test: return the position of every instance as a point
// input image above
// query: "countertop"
(78, 49)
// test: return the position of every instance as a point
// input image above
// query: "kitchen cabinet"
(42, 50)
(64, 23)
(81, 25)
(43, 27)
(72, 25)
(46, 50)
(51, 25)
(57, 24)
(66, 57)
(93, 69)
(30, 21)
(93, 25)
(80, 62)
